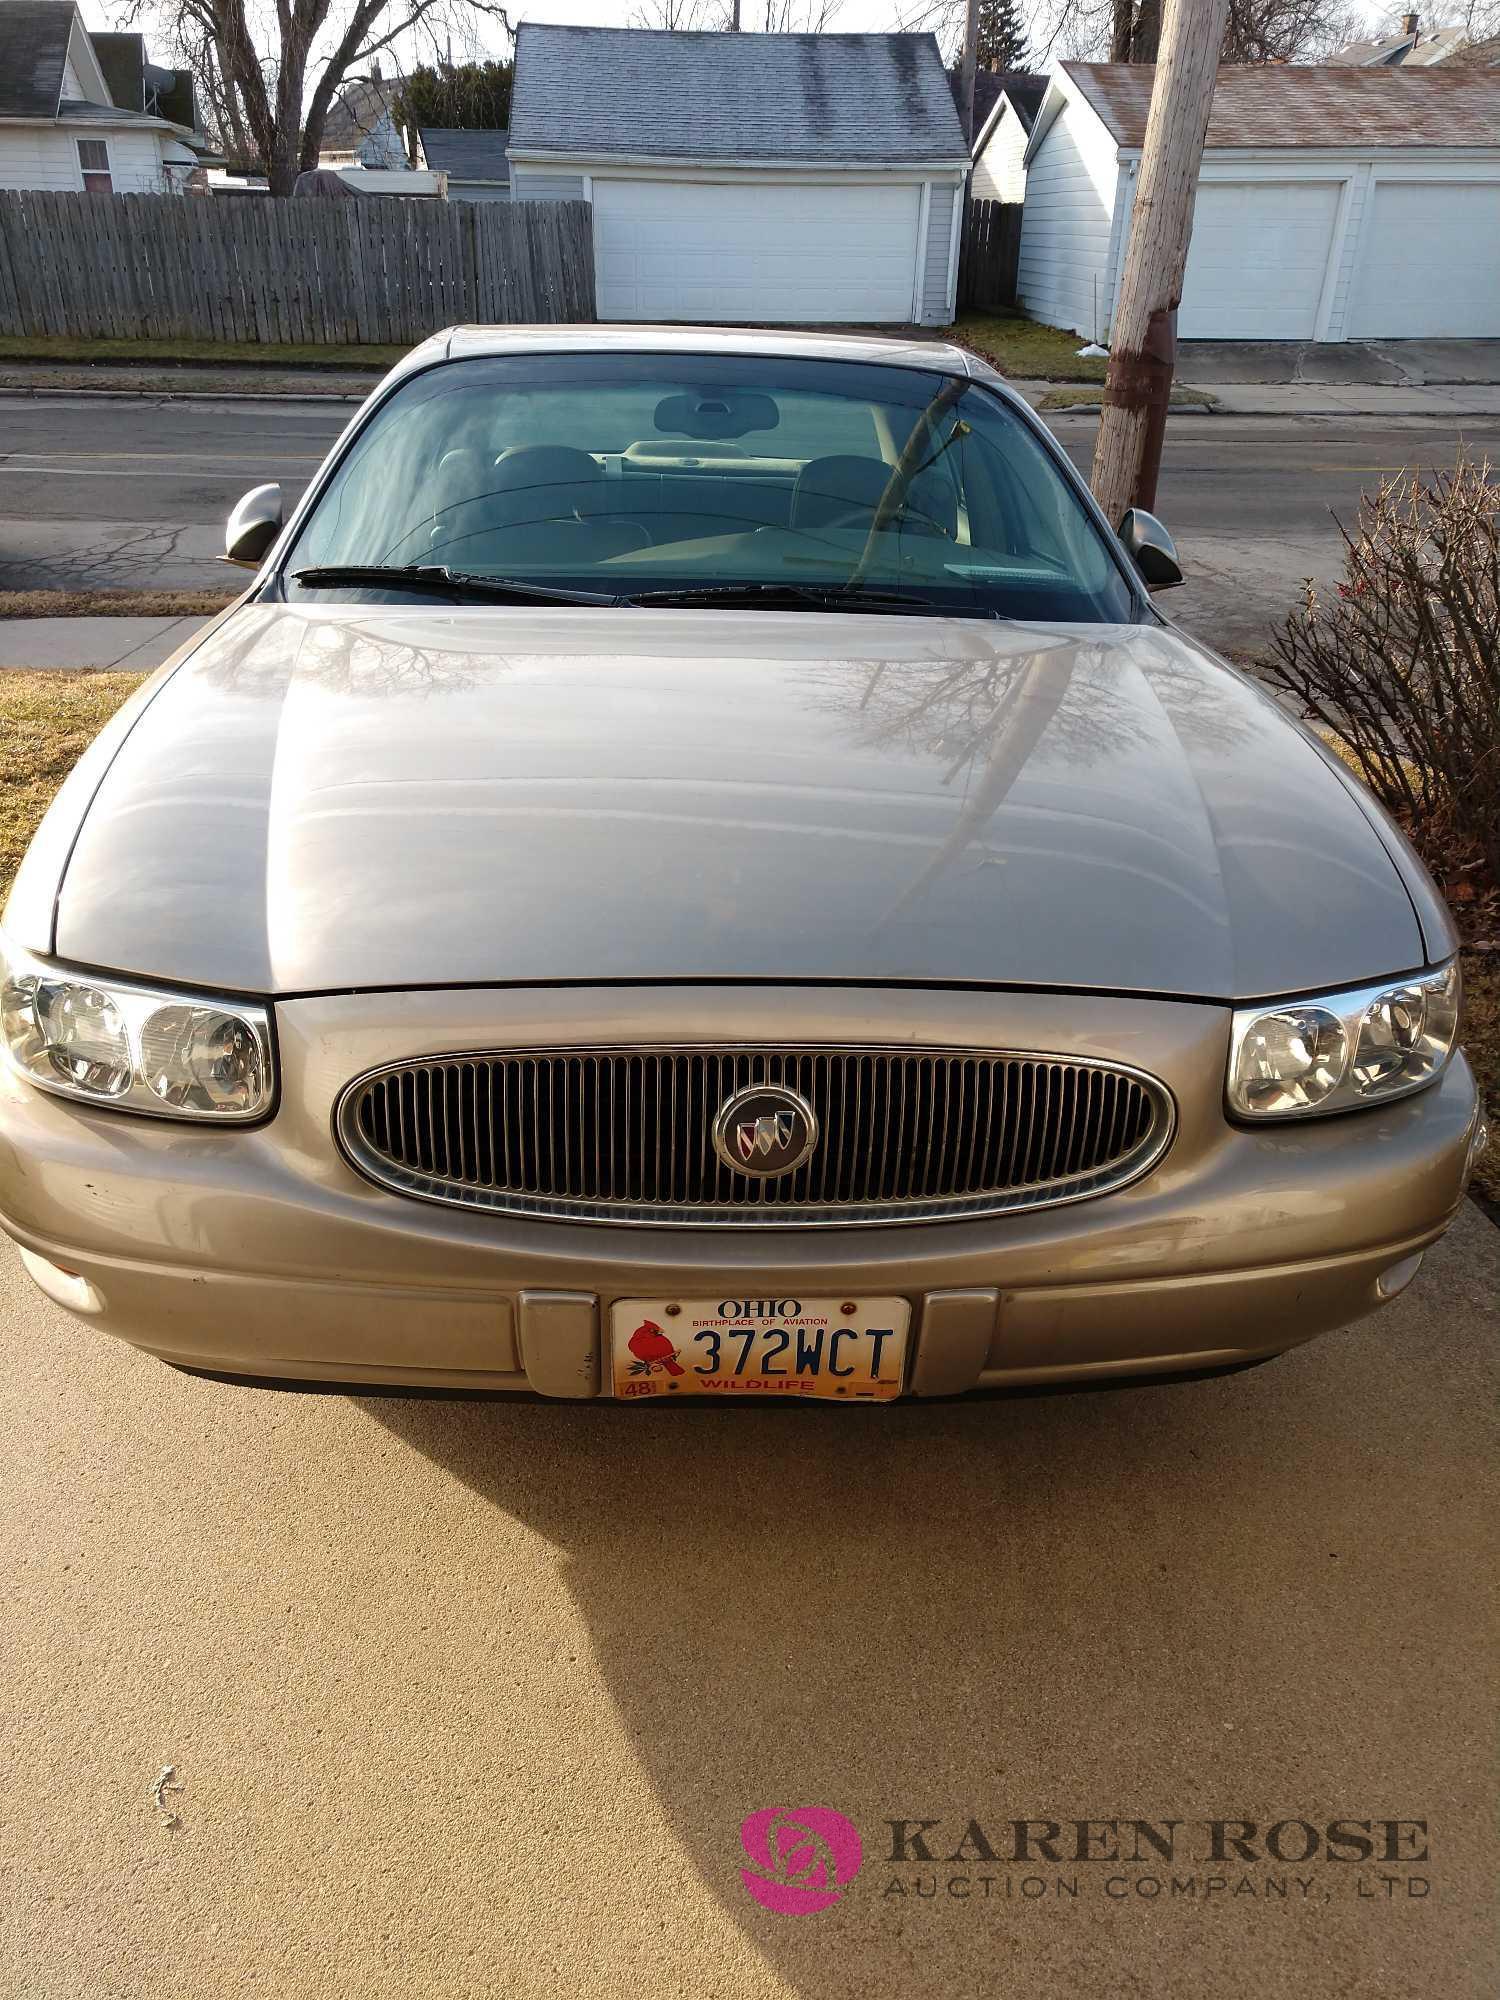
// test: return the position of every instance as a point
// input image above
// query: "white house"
(63, 128)
(1001, 141)
(790, 178)
(1334, 203)
(1414, 45)
(360, 128)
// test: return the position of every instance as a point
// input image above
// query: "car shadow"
(1006, 1607)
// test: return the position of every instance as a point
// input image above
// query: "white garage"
(1258, 260)
(748, 178)
(1333, 204)
(726, 250)
(1431, 261)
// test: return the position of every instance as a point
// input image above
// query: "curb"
(1323, 413)
(341, 397)
(9, 394)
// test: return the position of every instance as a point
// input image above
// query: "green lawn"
(57, 347)
(1025, 349)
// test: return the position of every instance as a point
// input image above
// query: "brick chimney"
(1409, 23)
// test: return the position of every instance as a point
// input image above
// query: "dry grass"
(1068, 399)
(1025, 350)
(113, 603)
(47, 721)
(58, 347)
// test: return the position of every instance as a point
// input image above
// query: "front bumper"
(262, 1253)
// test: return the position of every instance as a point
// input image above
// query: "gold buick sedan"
(696, 870)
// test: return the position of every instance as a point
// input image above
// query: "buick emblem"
(765, 1130)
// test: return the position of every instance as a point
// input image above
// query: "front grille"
(623, 1135)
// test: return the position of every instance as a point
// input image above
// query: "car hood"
(363, 796)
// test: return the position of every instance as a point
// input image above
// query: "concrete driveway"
(470, 1699)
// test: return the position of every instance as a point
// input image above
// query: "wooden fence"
(991, 252)
(147, 266)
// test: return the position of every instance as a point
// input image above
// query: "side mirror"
(1152, 547)
(253, 526)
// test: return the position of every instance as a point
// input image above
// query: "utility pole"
(966, 71)
(1143, 338)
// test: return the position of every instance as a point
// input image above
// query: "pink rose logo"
(801, 1858)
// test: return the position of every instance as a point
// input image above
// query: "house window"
(93, 161)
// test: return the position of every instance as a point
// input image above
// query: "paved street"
(470, 1699)
(100, 494)
(108, 493)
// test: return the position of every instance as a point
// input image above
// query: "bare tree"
(1130, 30)
(684, 16)
(801, 17)
(270, 74)
(1135, 31)
(1479, 19)
(781, 17)
(1278, 31)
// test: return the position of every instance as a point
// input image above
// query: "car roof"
(459, 343)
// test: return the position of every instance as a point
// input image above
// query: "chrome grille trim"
(976, 1132)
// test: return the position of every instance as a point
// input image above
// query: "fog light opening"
(1395, 1281)
(67, 1288)
(1479, 1144)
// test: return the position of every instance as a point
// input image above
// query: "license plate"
(847, 1350)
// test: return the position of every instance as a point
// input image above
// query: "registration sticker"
(850, 1350)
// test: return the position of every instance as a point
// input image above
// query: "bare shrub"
(1403, 663)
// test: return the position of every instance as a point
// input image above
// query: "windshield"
(666, 475)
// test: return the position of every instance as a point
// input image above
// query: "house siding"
(1000, 173)
(46, 158)
(527, 184)
(937, 299)
(1068, 224)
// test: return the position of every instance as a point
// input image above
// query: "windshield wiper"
(458, 583)
(809, 597)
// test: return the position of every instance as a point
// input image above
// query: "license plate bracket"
(850, 1350)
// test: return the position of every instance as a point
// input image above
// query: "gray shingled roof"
(356, 111)
(596, 93)
(122, 58)
(1292, 104)
(466, 153)
(33, 49)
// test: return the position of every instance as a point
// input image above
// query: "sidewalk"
(1303, 399)
(134, 644)
(1245, 398)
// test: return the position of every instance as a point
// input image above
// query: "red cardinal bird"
(649, 1343)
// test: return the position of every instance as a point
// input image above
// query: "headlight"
(136, 1048)
(1335, 1054)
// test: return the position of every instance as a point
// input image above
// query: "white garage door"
(1257, 260)
(1429, 262)
(754, 251)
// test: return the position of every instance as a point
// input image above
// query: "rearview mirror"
(717, 413)
(253, 526)
(1152, 547)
